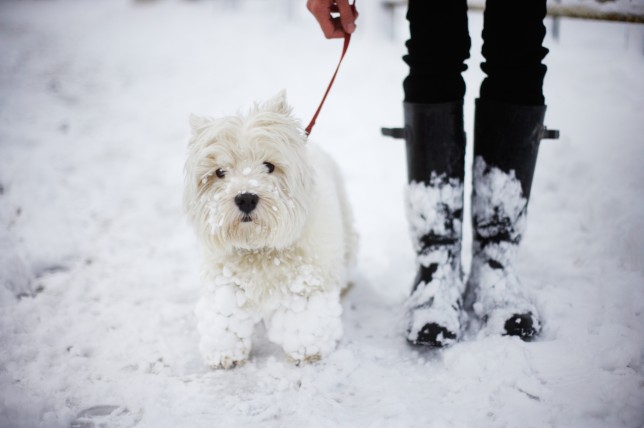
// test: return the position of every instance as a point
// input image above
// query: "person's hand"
(326, 11)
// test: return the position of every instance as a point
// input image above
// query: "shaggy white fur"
(282, 259)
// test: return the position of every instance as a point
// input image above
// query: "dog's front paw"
(309, 359)
(308, 330)
(224, 360)
(225, 329)
(224, 350)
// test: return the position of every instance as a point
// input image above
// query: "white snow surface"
(93, 131)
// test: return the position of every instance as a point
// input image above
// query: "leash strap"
(347, 39)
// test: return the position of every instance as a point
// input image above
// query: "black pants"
(513, 33)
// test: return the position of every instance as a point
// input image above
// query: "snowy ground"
(93, 125)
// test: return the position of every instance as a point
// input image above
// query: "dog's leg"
(307, 328)
(225, 327)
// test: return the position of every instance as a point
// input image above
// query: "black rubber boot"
(435, 142)
(506, 143)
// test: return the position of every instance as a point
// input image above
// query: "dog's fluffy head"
(248, 178)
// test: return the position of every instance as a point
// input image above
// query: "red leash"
(347, 39)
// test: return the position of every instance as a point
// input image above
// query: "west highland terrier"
(271, 212)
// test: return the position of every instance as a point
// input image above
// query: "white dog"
(277, 230)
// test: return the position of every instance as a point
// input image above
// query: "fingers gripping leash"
(347, 39)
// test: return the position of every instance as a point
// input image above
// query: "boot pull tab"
(549, 134)
(398, 133)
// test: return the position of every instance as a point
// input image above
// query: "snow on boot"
(434, 210)
(435, 143)
(506, 143)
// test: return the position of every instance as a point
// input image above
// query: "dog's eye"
(270, 167)
(220, 173)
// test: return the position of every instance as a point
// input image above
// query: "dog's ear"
(197, 123)
(278, 103)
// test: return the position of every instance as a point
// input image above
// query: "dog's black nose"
(246, 202)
